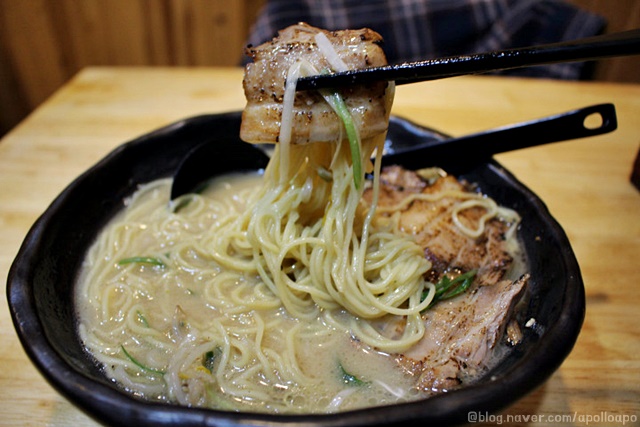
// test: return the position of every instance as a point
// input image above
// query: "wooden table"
(585, 184)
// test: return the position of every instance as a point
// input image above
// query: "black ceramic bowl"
(41, 280)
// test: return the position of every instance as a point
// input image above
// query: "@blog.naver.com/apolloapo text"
(575, 418)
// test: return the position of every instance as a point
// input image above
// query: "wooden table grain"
(585, 184)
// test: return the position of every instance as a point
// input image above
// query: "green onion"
(350, 379)
(142, 260)
(341, 109)
(139, 364)
(142, 319)
(448, 288)
(210, 357)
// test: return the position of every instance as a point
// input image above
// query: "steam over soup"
(307, 289)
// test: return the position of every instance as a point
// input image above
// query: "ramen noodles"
(290, 291)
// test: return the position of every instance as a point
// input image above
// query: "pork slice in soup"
(463, 334)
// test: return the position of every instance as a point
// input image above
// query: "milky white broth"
(167, 333)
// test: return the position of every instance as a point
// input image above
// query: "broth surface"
(163, 330)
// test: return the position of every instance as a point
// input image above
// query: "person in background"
(416, 30)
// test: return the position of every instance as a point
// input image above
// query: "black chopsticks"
(587, 49)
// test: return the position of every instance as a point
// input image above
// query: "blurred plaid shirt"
(416, 30)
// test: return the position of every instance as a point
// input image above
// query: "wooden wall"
(621, 15)
(43, 43)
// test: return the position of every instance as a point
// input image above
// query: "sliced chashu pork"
(445, 245)
(461, 333)
(314, 120)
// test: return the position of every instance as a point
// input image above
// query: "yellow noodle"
(256, 285)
